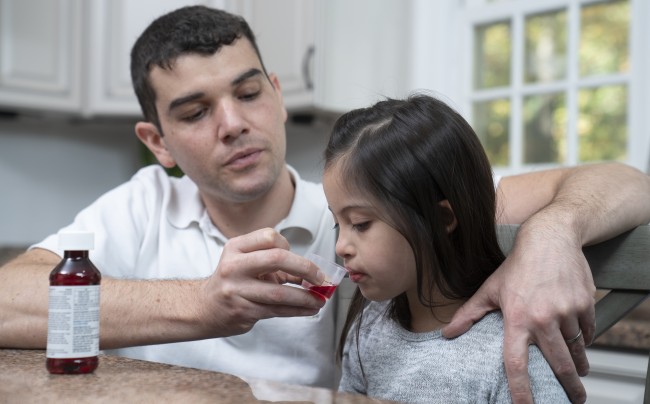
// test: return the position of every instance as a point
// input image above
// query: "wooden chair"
(620, 265)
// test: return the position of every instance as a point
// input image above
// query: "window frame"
(480, 12)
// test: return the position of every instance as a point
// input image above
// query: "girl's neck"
(426, 319)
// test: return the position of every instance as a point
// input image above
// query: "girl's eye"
(360, 227)
(336, 226)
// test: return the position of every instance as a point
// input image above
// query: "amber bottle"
(73, 315)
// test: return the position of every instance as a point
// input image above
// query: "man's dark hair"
(194, 29)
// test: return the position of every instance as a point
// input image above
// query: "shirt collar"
(186, 207)
(306, 210)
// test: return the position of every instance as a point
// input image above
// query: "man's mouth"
(244, 158)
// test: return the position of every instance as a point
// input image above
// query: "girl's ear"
(448, 215)
(149, 134)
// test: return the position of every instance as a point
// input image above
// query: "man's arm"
(245, 288)
(544, 287)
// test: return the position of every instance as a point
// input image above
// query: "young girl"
(413, 196)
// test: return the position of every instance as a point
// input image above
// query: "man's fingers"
(564, 357)
(579, 355)
(261, 239)
(575, 337)
(281, 295)
(470, 312)
(515, 357)
(588, 324)
(263, 252)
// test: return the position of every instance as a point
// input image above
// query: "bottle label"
(73, 322)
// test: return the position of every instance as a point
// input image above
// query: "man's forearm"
(597, 202)
(132, 312)
(591, 203)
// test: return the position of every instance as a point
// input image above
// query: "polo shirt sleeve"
(497, 180)
(121, 219)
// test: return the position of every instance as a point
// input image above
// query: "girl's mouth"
(356, 276)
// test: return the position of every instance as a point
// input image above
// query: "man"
(199, 264)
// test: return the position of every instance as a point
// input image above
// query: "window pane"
(492, 55)
(491, 125)
(602, 124)
(546, 47)
(604, 38)
(545, 128)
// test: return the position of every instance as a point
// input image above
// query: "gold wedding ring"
(574, 339)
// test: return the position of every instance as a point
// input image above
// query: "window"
(559, 82)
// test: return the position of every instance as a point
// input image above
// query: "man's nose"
(231, 122)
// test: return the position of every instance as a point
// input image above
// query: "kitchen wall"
(50, 168)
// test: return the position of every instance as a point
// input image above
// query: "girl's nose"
(344, 249)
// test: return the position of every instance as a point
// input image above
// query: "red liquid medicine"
(73, 315)
(325, 291)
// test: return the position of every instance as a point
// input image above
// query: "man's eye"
(194, 116)
(249, 96)
(363, 226)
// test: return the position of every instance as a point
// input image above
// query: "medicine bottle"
(73, 311)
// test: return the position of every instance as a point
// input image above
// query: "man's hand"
(249, 284)
(546, 292)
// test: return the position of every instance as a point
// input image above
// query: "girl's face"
(378, 258)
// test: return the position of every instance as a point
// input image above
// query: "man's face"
(223, 122)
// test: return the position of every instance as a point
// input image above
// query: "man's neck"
(236, 219)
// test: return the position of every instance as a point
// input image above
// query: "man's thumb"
(473, 310)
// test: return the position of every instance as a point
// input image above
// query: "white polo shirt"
(156, 227)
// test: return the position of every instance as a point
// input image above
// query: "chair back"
(620, 265)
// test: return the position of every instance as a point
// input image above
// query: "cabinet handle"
(306, 72)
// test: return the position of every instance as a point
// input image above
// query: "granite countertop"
(24, 379)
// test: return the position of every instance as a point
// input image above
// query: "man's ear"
(149, 134)
(273, 78)
(448, 215)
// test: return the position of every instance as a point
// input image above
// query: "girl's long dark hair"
(408, 155)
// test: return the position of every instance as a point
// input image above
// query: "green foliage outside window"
(599, 106)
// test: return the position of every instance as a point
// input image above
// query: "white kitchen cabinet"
(73, 56)
(370, 49)
(362, 52)
(40, 54)
(284, 30)
(115, 26)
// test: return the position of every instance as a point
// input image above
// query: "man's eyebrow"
(246, 75)
(184, 100)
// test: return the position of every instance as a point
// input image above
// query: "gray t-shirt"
(428, 368)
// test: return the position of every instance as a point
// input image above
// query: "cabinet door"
(284, 30)
(284, 35)
(115, 25)
(40, 45)
(363, 52)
